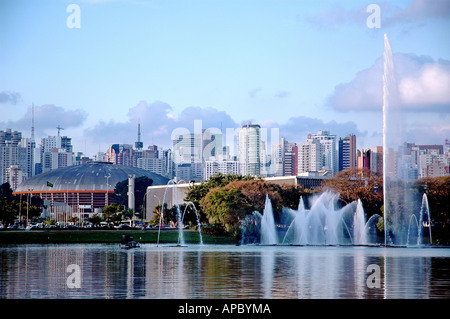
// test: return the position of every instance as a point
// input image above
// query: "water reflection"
(34, 271)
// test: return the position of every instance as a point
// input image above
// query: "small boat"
(127, 242)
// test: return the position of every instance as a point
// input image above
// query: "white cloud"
(9, 97)
(413, 15)
(423, 85)
(157, 123)
(430, 87)
(47, 117)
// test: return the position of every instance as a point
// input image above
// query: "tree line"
(223, 201)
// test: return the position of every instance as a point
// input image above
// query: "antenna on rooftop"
(139, 145)
(32, 121)
(59, 129)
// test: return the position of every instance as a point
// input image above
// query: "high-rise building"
(309, 159)
(26, 153)
(9, 151)
(120, 154)
(290, 159)
(277, 157)
(55, 152)
(318, 153)
(191, 150)
(328, 151)
(250, 149)
(347, 152)
(14, 176)
(214, 167)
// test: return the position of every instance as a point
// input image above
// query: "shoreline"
(105, 236)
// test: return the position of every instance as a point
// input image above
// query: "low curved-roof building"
(87, 187)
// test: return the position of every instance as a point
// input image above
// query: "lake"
(222, 271)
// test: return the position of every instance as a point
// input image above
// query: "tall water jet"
(425, 221)
(268, 228)
(402, 226)
(396, 217)
(359, 225)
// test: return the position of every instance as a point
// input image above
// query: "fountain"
(268, 229)
(401, 225)
(323, 224)
(359, 225)
(180, 217)
(425, 220)
(198, 220)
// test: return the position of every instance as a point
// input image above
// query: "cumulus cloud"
(417, 11)
(296, 129)
(430, 87)
(413, 15)
(9, 97)
(158, 121)
(46, 117)
(423, 85)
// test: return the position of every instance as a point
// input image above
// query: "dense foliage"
(140, 188)
(225, 200)
(13, 206)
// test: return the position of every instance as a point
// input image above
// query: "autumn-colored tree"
(354, 184)
(438, 193)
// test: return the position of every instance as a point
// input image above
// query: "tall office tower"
(26, 160)
(212, 145)
(249, 149)
(187, 148)
(376, 159)
(51, 142)
(328, 151)
(187, 155)
(191, 150)
(56, 152)
(347, 152)
(9, 151)
(290, 159)
(278, 157)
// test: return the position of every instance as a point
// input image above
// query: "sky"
(298, 66)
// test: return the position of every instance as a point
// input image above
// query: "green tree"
(11, 206)
(226, 207)
(95, 219)
(197, 192)
(140, 188)
(112, 213)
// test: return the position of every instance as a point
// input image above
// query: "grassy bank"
(105, 236)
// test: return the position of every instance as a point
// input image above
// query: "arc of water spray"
(198, 220)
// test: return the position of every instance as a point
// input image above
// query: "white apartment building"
(211, 168)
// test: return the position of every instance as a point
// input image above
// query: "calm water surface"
(106, 271)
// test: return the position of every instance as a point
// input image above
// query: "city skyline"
(300, 67)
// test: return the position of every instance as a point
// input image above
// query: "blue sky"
(299, 66)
